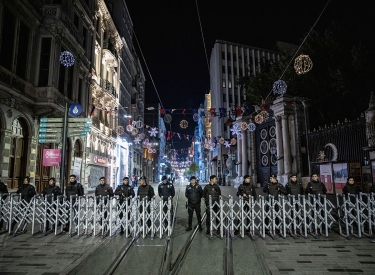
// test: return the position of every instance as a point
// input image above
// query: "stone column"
(293, 143)
(280, 150)
(286, 144)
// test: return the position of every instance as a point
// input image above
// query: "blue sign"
(75, 109)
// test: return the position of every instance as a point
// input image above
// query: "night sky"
(170, 37)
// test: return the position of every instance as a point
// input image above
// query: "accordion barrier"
(352, 216)
(87, 216)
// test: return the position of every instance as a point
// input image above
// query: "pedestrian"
(124, 191)
(3, 196)
(246, 190)
(213, 190)
(165, 191)
(49, 191)
(315, 186)
(351, 187)
(73, 189)
(294, 187)
(145, 191)
(133, 181)
(194, 194)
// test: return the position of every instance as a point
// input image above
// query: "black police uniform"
(214, 191)
(248, 189)
(194, 194)
(274, 189)
(27, 191)
(49, 191)
(143, 192)
(294, 188)
(316, 187)
(351, 189)
(106, 191)
(72, 189)
(165, 191)
(3, 195)
(124, 191)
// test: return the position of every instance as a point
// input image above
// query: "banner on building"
(77, 168)
(326, 177)
(340, 175)
(51, 157)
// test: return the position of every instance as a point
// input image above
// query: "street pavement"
(50, 255)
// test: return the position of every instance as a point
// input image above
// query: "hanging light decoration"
(184, 124)
(261, 117)
(120, 130)
(139, 124)
(67, 59)
(251, 127)
(141, 136)
(134, 131)
(195, 117)
(221, 140)
(303, 64)
(167, 118)
(233, 141)
(244, 125)
(279, 87)
(129, 128)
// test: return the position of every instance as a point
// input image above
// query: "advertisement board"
(51, 157)
(326, 177)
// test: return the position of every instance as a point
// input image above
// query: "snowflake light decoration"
(279, 87)
(235, 129)
(195, 117)
(153, 132)
(244, 126)
(67, 59)
(167, 118)
(212, 148)
(303, 64)
(233, 141)
(226, 144)
(137, 140)
(251, 127)
(129, 128)
(184, 124)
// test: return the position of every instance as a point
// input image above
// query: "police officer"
(166, 190)
(351, 187)
(26, 190)
(245, 190)
(3, 196)
(50, 190)
(124, 191)
(315, 186)
(194, 194)
(213, 190)
(72, 189)
(145, 191)
(294, 187)
(274, 188)
(103, 189)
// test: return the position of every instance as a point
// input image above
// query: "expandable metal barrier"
(87, 216)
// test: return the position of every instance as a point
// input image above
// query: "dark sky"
(170, 37)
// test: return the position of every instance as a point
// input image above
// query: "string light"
(167, 118)
(120, 130)
(303, 64)
(251, 127)
(244, 126)
(279, 87)
(67, 59)
(184, 124)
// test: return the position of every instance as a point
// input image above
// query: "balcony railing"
(108, 86)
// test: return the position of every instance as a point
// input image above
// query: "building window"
(23, 40)
(223, 69)
(7, 41)
(223, 83)
(229, 85)
(223, 55)
(44, 61)
(224, 98)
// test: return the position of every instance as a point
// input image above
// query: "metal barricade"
(5, 210)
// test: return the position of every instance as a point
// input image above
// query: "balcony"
(108, 87)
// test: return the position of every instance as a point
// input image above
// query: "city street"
(26, 254)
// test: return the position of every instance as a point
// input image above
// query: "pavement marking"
(149, 245)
